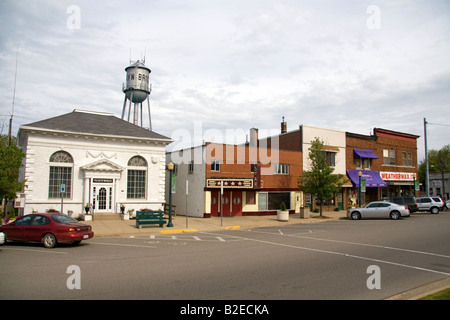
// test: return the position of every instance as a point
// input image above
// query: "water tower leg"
(124, 106)
(129, 106)
(140, 107)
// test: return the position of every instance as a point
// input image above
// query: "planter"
(283, 215)
(86, 217)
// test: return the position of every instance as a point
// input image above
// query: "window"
(250, 197)
(331, 158)
(281, 168)
(276, 198)
(136, 178)
(362, 163)
(253, 167)
(61, 165)
(215, 165)
(191, 166)
(389, 157)
(407, 159)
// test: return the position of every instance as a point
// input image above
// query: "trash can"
(304, 212)
(2, 238)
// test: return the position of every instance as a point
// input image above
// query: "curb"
(422, 291)
(178, 231)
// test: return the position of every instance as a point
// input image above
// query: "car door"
(17, 230)
(370, 211)
(37, 227)
(384, 210)
(423, 204)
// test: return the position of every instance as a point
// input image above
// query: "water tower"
(137, 88)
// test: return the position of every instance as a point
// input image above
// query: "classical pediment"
(103, 165)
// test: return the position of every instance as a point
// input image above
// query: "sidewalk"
(111, 228)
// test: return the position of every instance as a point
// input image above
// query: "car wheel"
(434, 210)
(356, 215)
(49, 240)
(395, 215)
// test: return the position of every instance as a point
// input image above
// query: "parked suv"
(407, 201)
(432, 204)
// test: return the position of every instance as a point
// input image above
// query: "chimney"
(253, 137)
(283, 126)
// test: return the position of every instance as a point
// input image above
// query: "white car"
(379, 209)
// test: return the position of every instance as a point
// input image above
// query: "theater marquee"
(230, 183)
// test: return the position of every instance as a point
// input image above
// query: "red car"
(48, 228)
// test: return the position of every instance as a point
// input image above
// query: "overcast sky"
(234, 64)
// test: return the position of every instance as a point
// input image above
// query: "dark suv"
(432, 204)
(405, 201)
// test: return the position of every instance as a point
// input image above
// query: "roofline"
(30, 128)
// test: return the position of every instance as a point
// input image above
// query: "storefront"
(398, 183)
(371, 186)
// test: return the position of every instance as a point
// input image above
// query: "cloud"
(234, 64)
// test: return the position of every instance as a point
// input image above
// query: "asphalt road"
(331, 260)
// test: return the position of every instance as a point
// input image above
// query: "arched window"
(60, 177)
(136, 178)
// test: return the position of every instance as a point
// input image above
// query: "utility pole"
(427, 178)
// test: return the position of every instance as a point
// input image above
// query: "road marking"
(297, 235)
(36, 250)
(197, 238)
(220, 239)
(342, 254)
(122, 245)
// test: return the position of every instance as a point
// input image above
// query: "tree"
(320, 180)
(10, 162)
(438, 161)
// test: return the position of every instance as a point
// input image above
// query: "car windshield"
(63, 218)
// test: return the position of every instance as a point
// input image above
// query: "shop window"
(250, 197)
(275, 199)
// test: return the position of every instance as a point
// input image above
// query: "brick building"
(388, 161)
(255, 180)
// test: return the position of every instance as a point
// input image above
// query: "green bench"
(149, 217)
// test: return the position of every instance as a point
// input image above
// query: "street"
(344, 259)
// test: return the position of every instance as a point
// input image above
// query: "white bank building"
(91, 158)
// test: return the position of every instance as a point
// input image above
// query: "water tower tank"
(137, 89)
(136, 86)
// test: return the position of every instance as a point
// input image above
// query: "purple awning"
(373, 178)
(361, 153)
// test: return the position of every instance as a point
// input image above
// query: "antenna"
(14, 98)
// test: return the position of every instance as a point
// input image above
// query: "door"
(226, 204)
(236, 206)
(215, 196)
(102, 198)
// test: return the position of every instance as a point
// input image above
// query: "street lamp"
(170, 168)
(359, 195)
